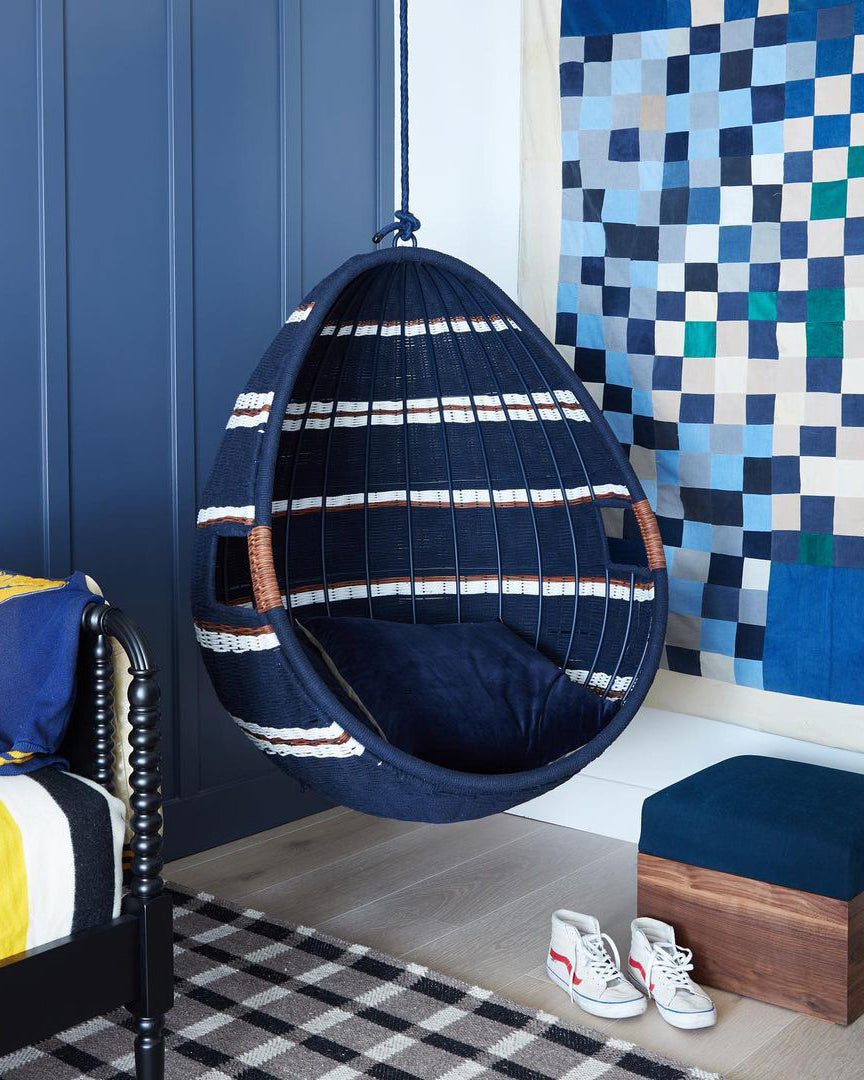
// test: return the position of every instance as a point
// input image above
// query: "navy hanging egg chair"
(412, 453)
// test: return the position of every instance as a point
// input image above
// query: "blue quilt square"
(704, 208)
(824, 374)
(749, 641)
(800, 98)
(593, 271)
(643, 272)
(748, 672)
(727, 472)
(697, 409)
(852, 410)
(764, 277)
(834, 56)
(817, 514)
(770, 30)
(697, 535)
(676, 174)
(798, 167)
(678, 112)
(704, 72)
(853, 236)
(785, 475)
(626, 76)
(736, 142)
(818, 441)
(676, 146)
(617, 398)
(757, 513)
(826, 273)
(736, 70)
(704, 143)
(678, 75)
(766, 202)
(622, 426)
(640, 336)
(572, 79)
(849, 551)
(700, 276)
(801, 25)
(596, 114)
(792, 305)
(617, 368)
(857, 99)
(685, 597)
(768, 103)
(571, 174)
(593, 238)
(732, 307)
(720, 602)
(616, 300)
(668, 467)
(589, 332)
(735, 243)
(693, 438)
(566, 296)
(685, 661)
(620, 205)
(650, 175)
(736, 171)
(673, 204)
(624, 144)
(667, 373)
(598, 48)
(740, 9)
(736, 107)
(704, 39)
(793, 240)
(565, 328)
(768, 138)
(769, 65)
(824, 665)
(756, 545)
(671, 306)
(830, 131)
(785, 546)
(717, 635)
(763, 339)
(678, 12)
(835, 22)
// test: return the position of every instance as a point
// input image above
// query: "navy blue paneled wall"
(176, 173)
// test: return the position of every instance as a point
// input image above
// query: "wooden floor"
(473, 900)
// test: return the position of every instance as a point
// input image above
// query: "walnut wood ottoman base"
(795, 949)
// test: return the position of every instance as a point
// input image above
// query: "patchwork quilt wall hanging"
(711, 295)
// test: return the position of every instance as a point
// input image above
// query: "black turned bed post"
(146, 899)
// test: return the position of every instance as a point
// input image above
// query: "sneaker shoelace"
(673, 963)
(594, 948)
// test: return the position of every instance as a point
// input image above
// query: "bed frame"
(128, 961)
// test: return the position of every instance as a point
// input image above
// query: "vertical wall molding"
(182, 390)
(385, 99)
(53, 325)
(290, 152)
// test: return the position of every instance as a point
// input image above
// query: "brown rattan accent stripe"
(650, 534)
(228, 628)
(264, 584)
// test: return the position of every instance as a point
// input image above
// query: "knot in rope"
(405, 225)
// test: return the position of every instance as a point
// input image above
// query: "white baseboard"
(657, 749)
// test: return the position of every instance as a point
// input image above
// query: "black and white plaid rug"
(258, 1000)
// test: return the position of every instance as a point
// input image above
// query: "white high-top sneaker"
(578, 962)
(661, 966)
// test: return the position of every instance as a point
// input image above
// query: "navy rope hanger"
(406, 224)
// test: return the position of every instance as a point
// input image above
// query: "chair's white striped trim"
(436, 324)
(459, 409)
(426, 586)
(463, 498)
(600, 680)
(250, 410)
(321, 742)
(619, 589)
(301, 312)
(237, 639)
(425, 498)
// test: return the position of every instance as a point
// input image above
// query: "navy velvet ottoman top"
(782, 822)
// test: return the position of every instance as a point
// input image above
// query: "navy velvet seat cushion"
(783, 822)
(471, 696)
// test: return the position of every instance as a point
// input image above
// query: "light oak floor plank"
(807, 1049)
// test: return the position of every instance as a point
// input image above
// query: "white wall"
(464, 114)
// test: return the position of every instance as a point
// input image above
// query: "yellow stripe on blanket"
(15, 757)
(14, 910)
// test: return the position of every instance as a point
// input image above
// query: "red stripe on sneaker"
(563, 960)
(635, 964)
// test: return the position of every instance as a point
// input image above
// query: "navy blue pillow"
(471, 696)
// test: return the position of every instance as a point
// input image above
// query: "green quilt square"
(828, 200)
(825, 339)
(856, 161)
(826, 305)
(700, 339)
(816, 549)
(762, 305)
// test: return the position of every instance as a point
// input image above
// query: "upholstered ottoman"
(758, 863)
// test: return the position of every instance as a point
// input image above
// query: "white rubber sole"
(688, 1021)
(619, 1010)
